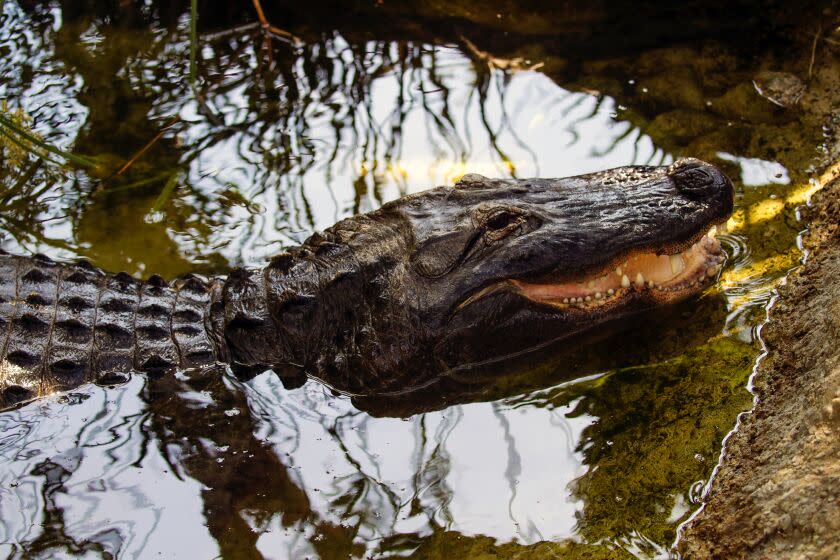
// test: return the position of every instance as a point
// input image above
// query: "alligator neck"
(326, 310)
(311, 311)
(285, 316)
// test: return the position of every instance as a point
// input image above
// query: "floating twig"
(268, 28)
(814, 52)
(506, 64)
(193, 41)
(216, 35)
(146, 148)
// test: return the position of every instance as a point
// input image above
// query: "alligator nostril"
(697, 182)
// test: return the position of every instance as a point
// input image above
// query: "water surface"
(603, 451)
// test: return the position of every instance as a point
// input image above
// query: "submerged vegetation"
(166, 137)
(19, 142)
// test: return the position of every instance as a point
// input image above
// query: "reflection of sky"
(418, 128)
(118, 481)
(480, 468)
(757, 172)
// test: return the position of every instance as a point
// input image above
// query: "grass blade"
(10, 125)
(166, 192)
(23, 179)
(27, 148)
(135, 185)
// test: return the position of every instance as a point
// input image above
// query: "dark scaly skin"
(381, 303)
(63, 325)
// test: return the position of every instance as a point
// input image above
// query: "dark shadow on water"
(650, 338)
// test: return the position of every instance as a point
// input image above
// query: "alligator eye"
(502, 220)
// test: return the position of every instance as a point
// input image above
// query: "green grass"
(29, 142)
(164, 195)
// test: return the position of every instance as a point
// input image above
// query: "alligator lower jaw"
(661, 277)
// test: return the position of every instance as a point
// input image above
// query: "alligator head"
(455, 276)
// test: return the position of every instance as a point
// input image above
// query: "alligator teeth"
(677, 273)
(677, 264)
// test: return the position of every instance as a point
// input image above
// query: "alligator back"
(62, 325)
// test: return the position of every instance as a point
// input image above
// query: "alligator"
(386, 302)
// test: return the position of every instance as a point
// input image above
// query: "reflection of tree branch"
(513, 469)
(55, 537)
(442, 117)
(482, 86)
(501, 87)
(495, 63)
(217, 447)
(616, 140)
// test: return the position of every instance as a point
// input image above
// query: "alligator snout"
(698, 180)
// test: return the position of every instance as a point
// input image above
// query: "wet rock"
(775, 493)
(682, 126)
(676, 87)
(781, 88)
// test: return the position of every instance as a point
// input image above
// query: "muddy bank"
(777, 493)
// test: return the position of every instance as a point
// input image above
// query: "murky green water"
(602, 451)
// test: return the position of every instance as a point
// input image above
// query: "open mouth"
(659, 275)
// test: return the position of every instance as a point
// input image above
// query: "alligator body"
(384, 302)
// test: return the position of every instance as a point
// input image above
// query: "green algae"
(659, 431)
(446, 545)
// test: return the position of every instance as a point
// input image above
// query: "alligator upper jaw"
(663, 276)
